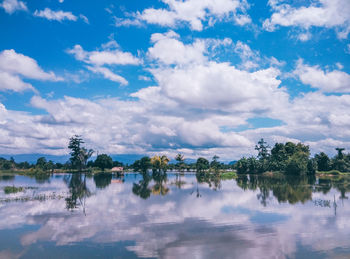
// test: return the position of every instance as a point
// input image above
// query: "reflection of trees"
(178, 181)
(42, 178)
(102, 180)
(160, 187)
(7, 177)
(143, 189)
(212, 179)
(78, 191)
(290, 189)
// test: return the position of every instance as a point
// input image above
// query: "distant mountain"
(232, 162)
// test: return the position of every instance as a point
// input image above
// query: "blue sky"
(200, 77)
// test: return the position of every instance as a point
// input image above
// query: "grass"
(228, 175)
(13, 189)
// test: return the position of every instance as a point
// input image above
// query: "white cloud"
(104, 57)
(169, 50)
(320, 13)
(304, 36)
(193, 12)
(12, 6)
(194, 102)
(17, 63)
(84, 18)
(144, 78)
(326, 81)
(51, 15)
(13, 83)
(121, 22)
(110, 55)
(108, 74)
(14, 65)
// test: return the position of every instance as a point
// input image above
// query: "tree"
(202, 164)
(180, 162)
(41, 163)
(298, 163)
(160, 163)
(242, 166)
(79, 155)
(341, 162)
(340, 154)
(103, 161)
(263, 149)
(142, 165)
(215, 164)
(323, 162)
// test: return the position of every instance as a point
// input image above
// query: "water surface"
(173, 216)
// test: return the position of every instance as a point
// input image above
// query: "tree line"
(289, 158)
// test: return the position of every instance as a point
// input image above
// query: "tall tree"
(263, 149)
(79, 155)
(180, 162)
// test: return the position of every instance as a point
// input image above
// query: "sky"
(197, 77)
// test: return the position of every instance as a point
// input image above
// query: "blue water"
(172, 216)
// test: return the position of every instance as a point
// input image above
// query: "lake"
(174, 216)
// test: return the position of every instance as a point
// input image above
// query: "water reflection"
(102, 180)
(78, 191)
(154, 215)
(6, 178)
(154, 183)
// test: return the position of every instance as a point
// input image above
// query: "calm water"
(73, 216)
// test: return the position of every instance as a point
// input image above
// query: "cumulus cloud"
(321, 13)
(110, 55)
(168, 50)
(193, 103)
(11, 6)
(326, 81)
(14, 65)
(192, 12)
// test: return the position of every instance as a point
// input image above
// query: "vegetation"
(12, 189)
(103, 161)
(286, 158)
(291, 159)
(79, 155)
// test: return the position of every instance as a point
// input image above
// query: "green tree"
(202, 164)
(159, 163)
(79, 155)
(263, 149)
(180, 162)
(41, 163)
(298, 163)
(323, 162)
(215, 164)
(103, 161)
(142, 165)
(242, 166)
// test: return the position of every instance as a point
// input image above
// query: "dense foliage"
(291, 158)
